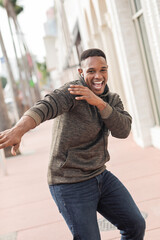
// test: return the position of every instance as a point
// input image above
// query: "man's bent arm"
(118, 121)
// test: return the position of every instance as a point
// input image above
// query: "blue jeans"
(79, 203)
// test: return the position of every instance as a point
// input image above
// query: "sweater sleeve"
(116, 119)
(53, 104)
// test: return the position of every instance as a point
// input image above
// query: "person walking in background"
(85, 113)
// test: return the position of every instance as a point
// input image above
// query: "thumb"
(15, 149)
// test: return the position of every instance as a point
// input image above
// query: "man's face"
(95, 73)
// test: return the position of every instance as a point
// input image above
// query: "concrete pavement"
(27, 211)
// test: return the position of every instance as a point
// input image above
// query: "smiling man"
(95, 72)
(85, 113)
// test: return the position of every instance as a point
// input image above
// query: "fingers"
(4, 145)
(1, 135)
(10, 138)
(78, 90)
(15, 149)
(77, 86)
(3, 141)
(81, 98)
(83, 93)
(6, 141)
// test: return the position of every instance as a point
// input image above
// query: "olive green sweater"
(80, 132)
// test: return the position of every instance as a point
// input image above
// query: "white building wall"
(51, 52)
(132, 71)
(152, 19)
(113, 31)
(132, 79)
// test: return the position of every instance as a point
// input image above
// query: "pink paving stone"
(55, 231)
(28, 216)
(58, 231)
(144, 189)
(107, 235)
(153, 234)
(31, 193)
(152, 208)
(133, 169)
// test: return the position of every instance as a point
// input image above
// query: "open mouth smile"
(97, 85)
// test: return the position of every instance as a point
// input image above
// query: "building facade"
(128, 31)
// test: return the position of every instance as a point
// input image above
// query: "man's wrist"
(25, 124)
(101, 105)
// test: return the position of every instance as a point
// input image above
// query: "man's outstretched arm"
(12, 137)
(52, 105)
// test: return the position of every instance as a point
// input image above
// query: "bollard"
(3, 164)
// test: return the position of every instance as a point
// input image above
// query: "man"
(85, 112)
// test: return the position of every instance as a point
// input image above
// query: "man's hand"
(86, 94)
(10, 137)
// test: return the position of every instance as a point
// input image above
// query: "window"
(139, 23)
(137, 4)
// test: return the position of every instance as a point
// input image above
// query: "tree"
(4, 119)
(12, 9)
(5, 122)
(25, 63)
(10, 78)
(18, 10)
(42, 68)
(3, 81)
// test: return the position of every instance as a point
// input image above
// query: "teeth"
(97, 82)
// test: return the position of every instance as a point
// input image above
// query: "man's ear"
(80, 71)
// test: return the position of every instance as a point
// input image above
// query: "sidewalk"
(27, 211)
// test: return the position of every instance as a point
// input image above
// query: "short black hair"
(92, 52)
